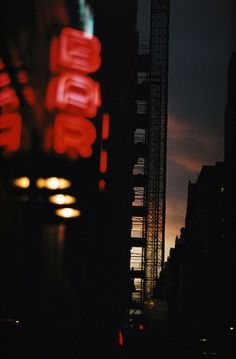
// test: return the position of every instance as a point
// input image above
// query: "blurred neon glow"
(75, 50)
(4, 79)
(103, 161)
(10, 131)
(53, 183)
(101, 185)
(141, 327)
(29, 95)
(22, 77)
(121, 341)
(62, 199)
(67, 212)
(74, 93)
(9, 101)
(105, 126)
(22, 182)
(2, 65)
(74, 135)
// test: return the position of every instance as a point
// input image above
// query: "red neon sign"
(10, 120)
(75, 50)
(73, 134)
(2, 65)
(74, 93)
(9, 102)
(105, 126)
(4, 79)
(72, 56)
(103, 161)
(10, 131)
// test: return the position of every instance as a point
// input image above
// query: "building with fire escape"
(149, 148)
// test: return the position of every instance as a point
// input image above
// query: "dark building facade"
(193, 281)
(230, 192)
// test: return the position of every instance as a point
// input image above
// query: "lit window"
(136, 258)
(138, 197)
(138, 284)
(139, 167)
(137, 230)
(135, 311)
(140, 136)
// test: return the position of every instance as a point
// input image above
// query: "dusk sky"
(201, 43)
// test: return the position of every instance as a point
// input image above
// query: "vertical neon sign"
(10, 119)
(72, 93)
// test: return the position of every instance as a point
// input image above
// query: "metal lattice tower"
(157, 131)
(150, 137)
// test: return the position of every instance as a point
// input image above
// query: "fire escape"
(149, 169)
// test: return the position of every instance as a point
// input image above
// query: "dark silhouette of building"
(193, 280)
(230, 195)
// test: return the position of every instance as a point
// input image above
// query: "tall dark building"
(193, 279)
(230, 193)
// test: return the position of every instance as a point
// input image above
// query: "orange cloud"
(189, 164)
(180, 130)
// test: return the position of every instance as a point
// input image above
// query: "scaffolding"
(150, 138)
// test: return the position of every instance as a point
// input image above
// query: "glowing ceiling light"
(22, 182)
(40, 183)
(68, 212)
(53, 183)
(62, 199)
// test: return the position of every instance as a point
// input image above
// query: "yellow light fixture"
(53, 183)
(68, 212)
(62, 199)
(22, 182)
(40, 183)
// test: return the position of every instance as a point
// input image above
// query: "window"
(141, 107)
(142, 77)
(136, 254)
(137, 230)
(138, 197)
(139, 167)
(140, 136)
